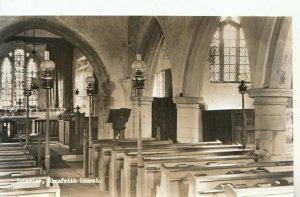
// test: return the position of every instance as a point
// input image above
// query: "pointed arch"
(53, 25)
(228, 53)
(198, 51)
(148, 44)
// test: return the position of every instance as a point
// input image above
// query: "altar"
(14, 127)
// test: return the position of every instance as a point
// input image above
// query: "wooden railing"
(12, 128)
(40, 127)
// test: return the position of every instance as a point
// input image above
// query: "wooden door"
(164, 116)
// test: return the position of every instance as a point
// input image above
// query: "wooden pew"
(104, 155)
(14, 152)
(21, 171)
(213, 186)
(18, 163)
(273, 191)
(128, 173)
(151, 180)
(15, 157)
(23, 182)
(29, 185)
(100, 146)
(10, 144)
(118, 153)
(13, 148)
(171, 176)
(20, 177)
(52, 191)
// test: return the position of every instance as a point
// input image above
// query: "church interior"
(146, 106)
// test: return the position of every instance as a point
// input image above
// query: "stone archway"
(198, 53)
(53, 25)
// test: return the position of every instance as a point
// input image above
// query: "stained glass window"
(13, 79)
(19, 76)
(228, 55)
(32, 74)
(6, 85)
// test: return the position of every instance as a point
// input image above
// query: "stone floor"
(72, 170)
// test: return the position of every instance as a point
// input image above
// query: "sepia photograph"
(147, 105)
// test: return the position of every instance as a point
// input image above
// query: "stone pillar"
(102, 112)
(189, 119)
(146, 109)
(270, 122)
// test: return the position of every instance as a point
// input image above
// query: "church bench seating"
(24, 171)
(14, 152)
(102, 159)
(22, 182)
(15, 157)
(10, 144)
(151, 180)
(105, 153)
(5, 148)
(18, 163)
(51, 191)
(129, 175)
(19, 175)
(213, 186)
(194, 151)
(102, 148)
(171, 176)
(273, 191)
(107, 145)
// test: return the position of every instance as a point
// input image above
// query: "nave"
(146, 106)
(198, 169)
(19, 168)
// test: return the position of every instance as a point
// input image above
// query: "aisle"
(71, 170)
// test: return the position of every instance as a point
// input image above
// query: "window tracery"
(15, 77)
(228, 55)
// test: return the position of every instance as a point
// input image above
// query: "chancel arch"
(52, 25)
(60, 98)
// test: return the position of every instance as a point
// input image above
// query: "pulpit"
(118, 118)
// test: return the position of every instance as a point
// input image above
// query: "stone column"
(270, 122)
(102, 112)
(189, 119)
(146, 109)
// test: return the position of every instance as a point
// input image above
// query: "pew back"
(172, 177)
(212, 185)
(24, 171)
(18, 163)
(274, 191)
(52, 191)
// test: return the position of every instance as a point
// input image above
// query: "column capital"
(188, 100)
(270, 96)
(266, 92)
